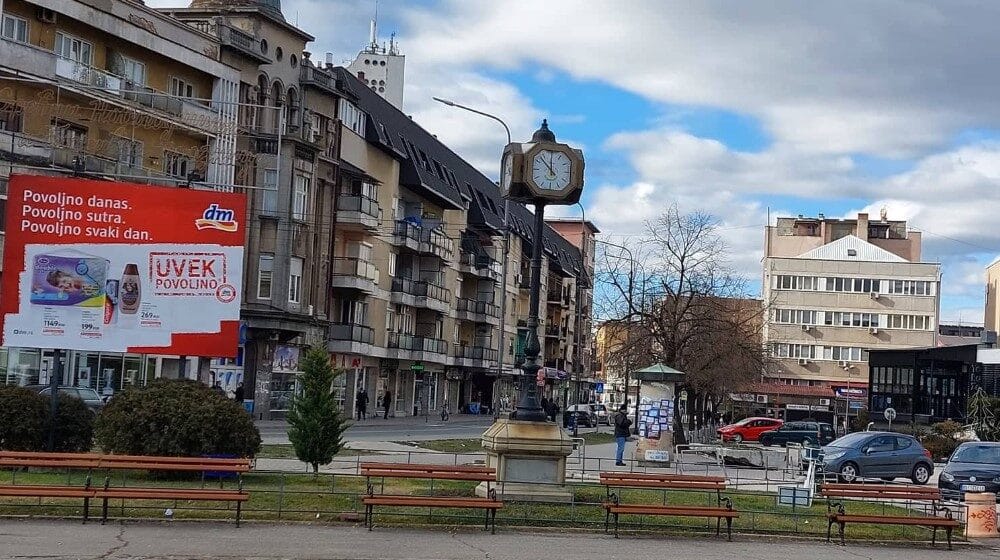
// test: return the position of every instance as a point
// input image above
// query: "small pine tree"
(315, 425)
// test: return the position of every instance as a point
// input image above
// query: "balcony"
(417, 348)
(237, 39)
(435, 242)
(359, 210)
(88, 75)
(474, 356)
(477, 311)
(479, 264)
(27, 59)
(350, 338)
(19, 147)
(319, 78)
(354, 274)
(419, 293)
(406, 234)
(552, 331)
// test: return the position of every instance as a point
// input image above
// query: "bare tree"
(684, 307)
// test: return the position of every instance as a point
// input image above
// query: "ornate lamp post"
(540, 172)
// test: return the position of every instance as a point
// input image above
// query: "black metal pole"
(527, 405)
(55, 378)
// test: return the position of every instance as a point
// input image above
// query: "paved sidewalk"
(20, 539)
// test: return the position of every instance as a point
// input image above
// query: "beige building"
(836, 288)
(992, 321)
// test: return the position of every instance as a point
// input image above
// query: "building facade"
(115, 92)
(836, 289)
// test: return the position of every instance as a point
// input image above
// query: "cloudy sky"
(731, 107)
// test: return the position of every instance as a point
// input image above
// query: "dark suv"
(804, 433)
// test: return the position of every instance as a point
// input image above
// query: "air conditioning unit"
(844, 364)
(806, 328)
(874, 295)
(824, 402)
(46, 15)
(803, 361)
(873, 330)
(762, 399)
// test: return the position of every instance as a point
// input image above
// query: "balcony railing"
(552, 331)
(88, 75)
(479, 307)
(420, 288)
(357, 203)
(475, 353)
(355, 267)
(438, 243)
(417, 343)
(406, 230)
(311, 75)
(237, 39)
(352, 333)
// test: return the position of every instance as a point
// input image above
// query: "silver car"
(885, 455)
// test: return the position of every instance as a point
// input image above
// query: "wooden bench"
(837, 511)
(489, 504)
(98, 462)
(621, 480)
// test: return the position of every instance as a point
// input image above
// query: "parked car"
(89, 396)
(803, 433)
(973, 467)
(602, 413)
(885, 455)
(582, 414)
(748, 429)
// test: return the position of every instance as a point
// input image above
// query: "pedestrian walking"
(361, 404)
(622, 432)
(445, 413)
(239, 394)
(545, 406)
(387, 403)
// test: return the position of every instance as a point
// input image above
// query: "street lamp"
(539, 172)
(506, 240)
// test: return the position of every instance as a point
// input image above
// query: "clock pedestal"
(530, 459)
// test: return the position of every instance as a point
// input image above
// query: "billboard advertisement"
(118, 267)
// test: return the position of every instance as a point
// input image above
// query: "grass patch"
(469, 445)
(304, 497)
(597, 438)
(286, 451)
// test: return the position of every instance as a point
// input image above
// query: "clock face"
(506, 171)
(551, 170)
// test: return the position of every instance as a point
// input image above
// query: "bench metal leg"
(948, 531)
(370, 516)
(729, 528)
(843, 542)
(616, 524)
(487, 527)
(104, 512)
(607, 520)
(86, 510)
(494, 516)
(718, 526)
(829, 528)
(239, 510)
(934, 535)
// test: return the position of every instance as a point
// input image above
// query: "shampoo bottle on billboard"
(130, 295)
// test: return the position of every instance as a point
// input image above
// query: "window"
(911, 287)
(783, 350)
(848, 319)
(15, 28)
(795, 316)
(295, 280)
(392, 264)
(68, 135)
(787, 282)
(269, 193)
(177, 165)
(11, 117)
(910, 322)
(301, 201)
(352, 117)
(181, 88)
(133, 70)
(844, 353)
(390, 319)
(72, 48)
(127, 152)
(264, 269)
(354, 312)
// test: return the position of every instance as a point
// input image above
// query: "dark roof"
(430, 168)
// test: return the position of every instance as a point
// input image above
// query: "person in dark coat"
(386, 402)
(361, 404)
(622, 424)
(239, 394)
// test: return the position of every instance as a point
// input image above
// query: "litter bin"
(982, 520)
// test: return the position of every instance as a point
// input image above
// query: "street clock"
(542, 171)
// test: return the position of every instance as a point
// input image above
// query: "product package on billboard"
(68, 278)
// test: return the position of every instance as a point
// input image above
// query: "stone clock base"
(530, 459)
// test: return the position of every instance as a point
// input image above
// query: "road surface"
(20, 539)
(460, 426)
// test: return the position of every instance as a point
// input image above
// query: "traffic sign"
(890, 414)
(599, 388)
(416, 366)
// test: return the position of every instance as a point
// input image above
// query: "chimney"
(862, 230)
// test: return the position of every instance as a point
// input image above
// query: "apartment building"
(117, 91)
(417, 299)
(836, 289)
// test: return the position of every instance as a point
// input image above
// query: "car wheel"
(921, 474)
(737, 439)
(848, 472)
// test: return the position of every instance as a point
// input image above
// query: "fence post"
(281, 493)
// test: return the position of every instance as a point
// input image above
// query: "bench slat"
(171, 494)
(679, 511)
(489, 477)
(47, 491)
(432, 501)
(427, 468)
(672, 477)
(895, 520)
(667, 485)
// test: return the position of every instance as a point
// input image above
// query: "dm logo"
(217, 218)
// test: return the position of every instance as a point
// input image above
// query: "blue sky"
(735, 108)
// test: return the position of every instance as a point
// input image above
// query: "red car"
(748, 429)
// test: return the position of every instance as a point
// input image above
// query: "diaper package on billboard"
(71, 278)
